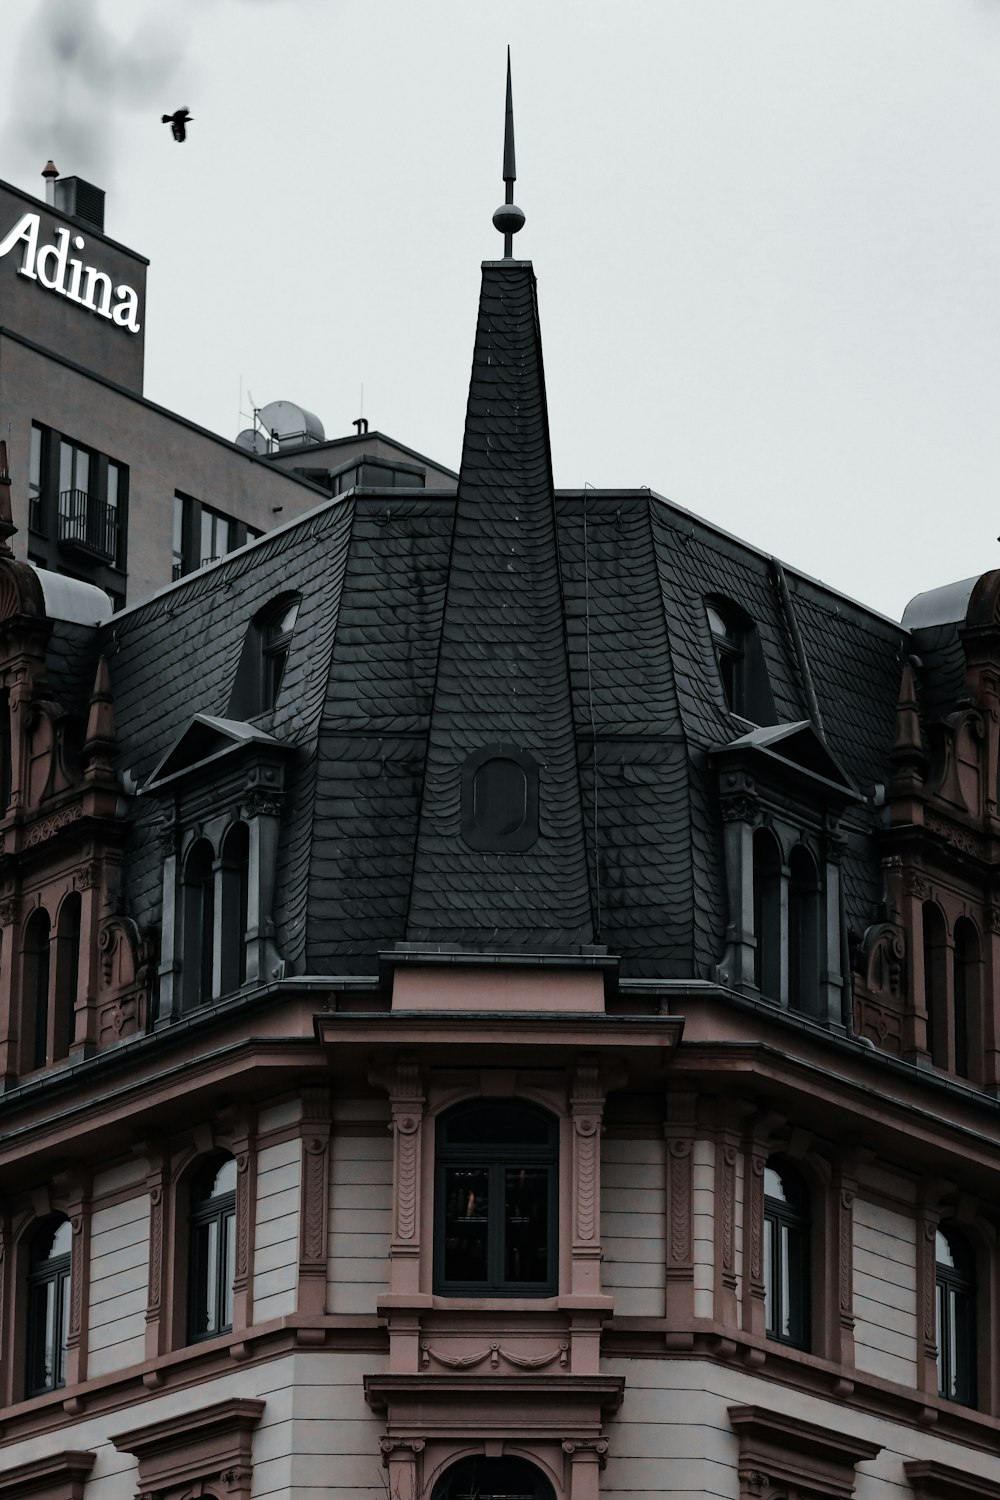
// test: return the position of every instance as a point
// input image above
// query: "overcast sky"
(766, 235)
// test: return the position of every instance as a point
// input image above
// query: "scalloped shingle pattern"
(637, 815)
(372, 744)
(502, 674)
(177, 656)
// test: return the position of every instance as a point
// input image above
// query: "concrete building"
(110, 488)
(498, 998)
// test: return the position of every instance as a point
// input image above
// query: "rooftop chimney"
(50, 172)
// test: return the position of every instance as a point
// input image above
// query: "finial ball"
(508, 218)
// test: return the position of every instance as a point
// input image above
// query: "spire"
(508, 217)
(907, 756)
(101, 743)
(501, 854)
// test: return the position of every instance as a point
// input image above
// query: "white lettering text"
(49, 264)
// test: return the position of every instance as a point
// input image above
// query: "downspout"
(801, 659)
(812, 702)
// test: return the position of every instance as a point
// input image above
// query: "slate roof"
(572, 626)
(503, 673)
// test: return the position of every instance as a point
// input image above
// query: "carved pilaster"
(316, 1113)
(406, 1105)
(585, 1458)
(757, 1150)
(845, 1218)
(6, 1331)
(10, 987)
(679, 1130)
(160, 1206)
(243, 1145)
(586, 1112)
(19, 703)
(928, 1218)
(169, 992)
(74, 1199)
(402, 1457)
(728, 1139)
(741, 814)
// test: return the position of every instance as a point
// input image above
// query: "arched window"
(955, 1276)
(786, 1255)
(235, 901)
(276, 638)
(198, 926)
(803, 932)
(49, 1255)
(730, 651)
(262, 661)
(67, 975)
(496, 1200)
(767, 914)
(966, 993)
(493, 1479)
(35, 1008)
(742, 669)
(212, 1249)
(936, 984)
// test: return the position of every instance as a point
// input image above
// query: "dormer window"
(782, 796)
(263, 658)
(276, 637)
(221, 785)
(742, 670)
(729, 649)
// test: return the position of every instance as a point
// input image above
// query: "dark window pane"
(227, 1265)
(496, 1223)
(466, 1224)
(48, 1307)
(786, 1256)
(500, 797)
(526, 1251)
(497, 1125)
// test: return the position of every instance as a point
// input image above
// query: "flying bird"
(177, 122)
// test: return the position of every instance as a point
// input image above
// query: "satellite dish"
(292, 425)
(253, 440)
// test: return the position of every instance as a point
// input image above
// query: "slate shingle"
(430, 626)
(502, 675)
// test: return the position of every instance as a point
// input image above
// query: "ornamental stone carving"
(47, 827)
(740, 808)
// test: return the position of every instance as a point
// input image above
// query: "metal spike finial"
(508, 217)
(509, 170)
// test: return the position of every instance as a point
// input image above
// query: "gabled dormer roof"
(796, 748)
(204, 742)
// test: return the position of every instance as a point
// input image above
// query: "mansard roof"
(570, 628)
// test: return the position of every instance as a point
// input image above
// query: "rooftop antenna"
(508, 217)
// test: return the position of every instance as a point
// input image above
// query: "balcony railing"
(88, 523)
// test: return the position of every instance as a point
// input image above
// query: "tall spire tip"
(508, 217)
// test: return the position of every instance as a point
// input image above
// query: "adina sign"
(53, 267)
